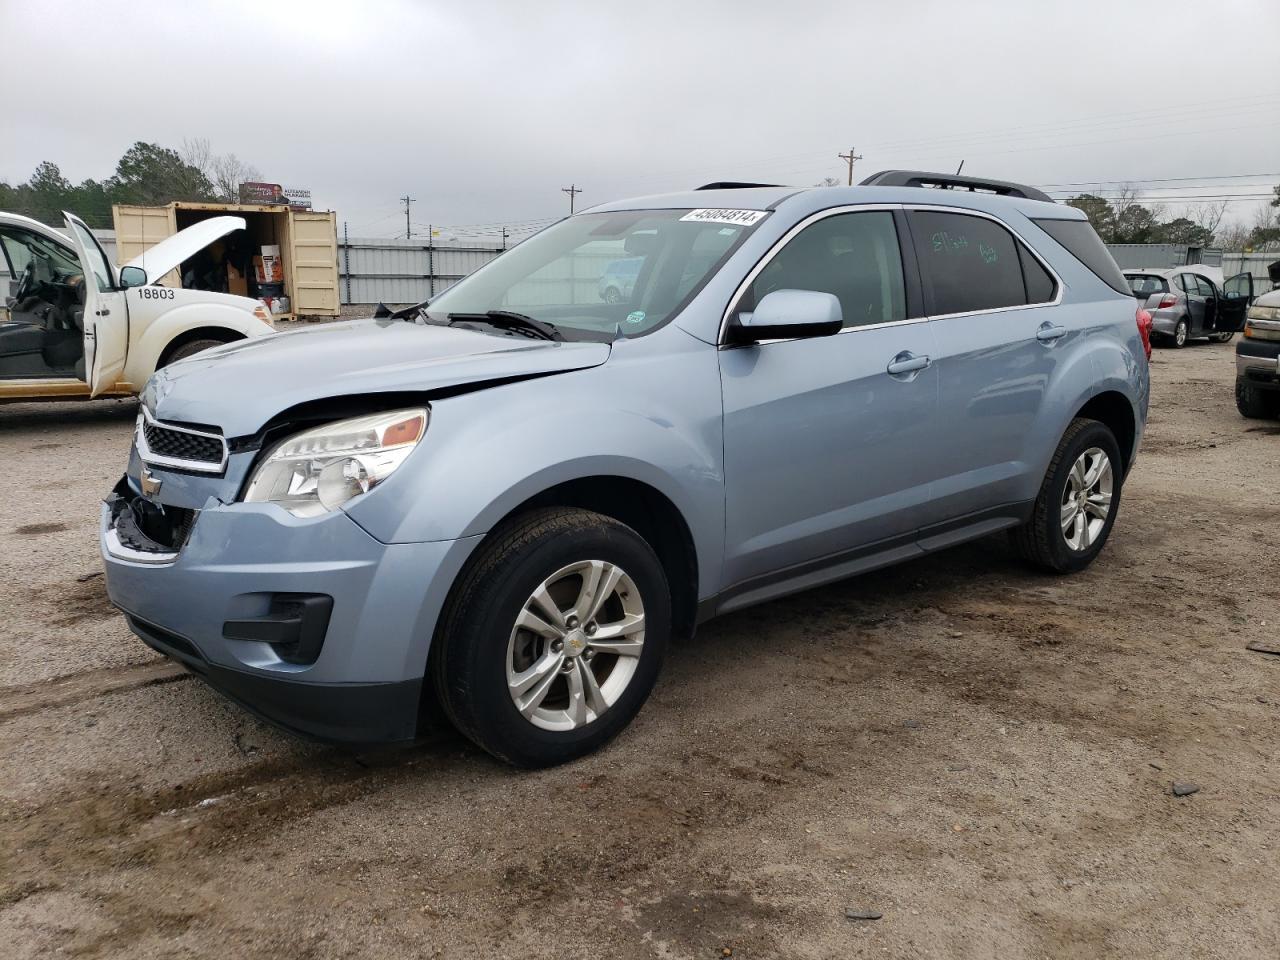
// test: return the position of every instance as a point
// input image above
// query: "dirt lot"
(982, 754)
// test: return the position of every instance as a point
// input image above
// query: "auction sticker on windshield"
(743, 218)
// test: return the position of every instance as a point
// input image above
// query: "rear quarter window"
(1085, 245)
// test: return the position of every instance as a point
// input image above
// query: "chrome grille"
(184, 448)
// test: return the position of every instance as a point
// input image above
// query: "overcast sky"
(483, 111)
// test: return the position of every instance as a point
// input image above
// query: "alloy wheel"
(575, 645)
(1086, 499)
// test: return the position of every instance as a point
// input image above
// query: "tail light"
(1167, 301)
(1143, 320)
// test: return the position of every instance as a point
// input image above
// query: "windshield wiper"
(509, 320)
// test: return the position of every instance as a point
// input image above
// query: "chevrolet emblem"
(150, 483)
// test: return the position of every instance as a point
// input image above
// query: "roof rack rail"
(733, 185)
(950, 181)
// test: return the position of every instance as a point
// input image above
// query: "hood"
(242, 385)
(170, 252)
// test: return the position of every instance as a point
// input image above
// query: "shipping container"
(307, 239)
(1159, 256)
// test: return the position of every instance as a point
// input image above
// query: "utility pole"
(408, 230)
(849, 158)
(572, 190)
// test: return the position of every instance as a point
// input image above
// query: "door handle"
(1049, 332)
(907, 362)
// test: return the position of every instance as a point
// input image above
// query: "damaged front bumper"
(310, 622)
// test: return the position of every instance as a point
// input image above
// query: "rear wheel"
(189, 349)
(1078, 501)
(1180, 333)
(1256, 404)
(553, 638)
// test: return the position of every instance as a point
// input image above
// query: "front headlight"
(1263, 313)
(319, 470)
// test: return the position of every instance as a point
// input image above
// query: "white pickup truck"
(77, 327)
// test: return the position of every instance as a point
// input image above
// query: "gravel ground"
(981, 754)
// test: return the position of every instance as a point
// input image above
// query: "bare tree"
(1126, 198)
(225, 171)
(1207, 216)
(229, 171)
(197, 153)
(828, 182)
(1233, 236)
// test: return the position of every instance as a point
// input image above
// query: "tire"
(1222, 337)
(480, 650)
(1180, 333)
(612, 295)
(1042, 539)
(187, 350)
(1255, 404)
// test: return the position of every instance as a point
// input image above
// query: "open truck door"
(105, 323)
(1233, 305)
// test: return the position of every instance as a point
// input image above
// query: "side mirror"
(132, 277)
(788, 314)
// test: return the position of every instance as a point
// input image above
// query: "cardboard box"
(237, 283)
(267, 266)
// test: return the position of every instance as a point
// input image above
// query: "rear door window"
(969, 263)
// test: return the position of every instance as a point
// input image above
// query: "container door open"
(138, 229)
(313, 264)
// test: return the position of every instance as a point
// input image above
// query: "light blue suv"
(507, 500)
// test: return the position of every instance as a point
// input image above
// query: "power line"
(1090, 143)
(1131, 180)
(1022, 132)
(1143, 117)
(1235, 199)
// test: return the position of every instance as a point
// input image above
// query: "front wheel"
(1224, 337)
(553, 638)
(1255, 404)
(1078, 501)
(189, 349)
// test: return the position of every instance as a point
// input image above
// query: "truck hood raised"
(170, 252)
(240, 386)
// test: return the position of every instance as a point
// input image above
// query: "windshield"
(596, 273)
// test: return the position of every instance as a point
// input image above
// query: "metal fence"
(409, 271)
(1254, 264)
(404, 271)
(381, 270)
